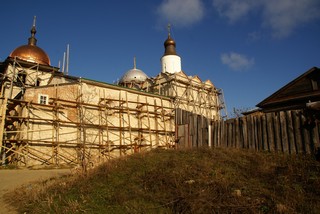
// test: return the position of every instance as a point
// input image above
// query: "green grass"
(183, 181)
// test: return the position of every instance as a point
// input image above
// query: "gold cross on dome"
(169, 29)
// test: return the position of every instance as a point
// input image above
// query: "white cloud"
(234, 10)
(284, 16)
(181, 12)
(281, 16)
(236, 61)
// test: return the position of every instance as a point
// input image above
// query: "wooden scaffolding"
(190, 94)
(77, 131)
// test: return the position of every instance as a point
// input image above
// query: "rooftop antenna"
(63, 61)
(67, 61)
(134, 63)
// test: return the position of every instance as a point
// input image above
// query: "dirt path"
(11, 179)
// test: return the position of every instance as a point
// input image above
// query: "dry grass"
(190, 181)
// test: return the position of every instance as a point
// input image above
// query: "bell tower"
(170, 61)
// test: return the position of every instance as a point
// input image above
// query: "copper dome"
(170, 46)
(31, 53)
(169, 41)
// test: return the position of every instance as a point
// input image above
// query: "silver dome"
(133, 75)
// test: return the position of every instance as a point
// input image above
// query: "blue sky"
(249, 48)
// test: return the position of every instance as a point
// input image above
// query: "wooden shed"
(303, 92)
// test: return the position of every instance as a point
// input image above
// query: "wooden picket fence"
(290, 132)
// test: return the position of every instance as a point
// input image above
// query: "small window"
(43, 99)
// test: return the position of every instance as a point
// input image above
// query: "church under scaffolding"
(50, 118)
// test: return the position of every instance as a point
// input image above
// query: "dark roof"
(296, 93)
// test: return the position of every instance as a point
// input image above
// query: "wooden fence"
(286, 131)
(192, 130)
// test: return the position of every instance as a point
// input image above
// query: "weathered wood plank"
(250, 132)
(284, 133)
(216, 133)
(199, 131)
(297, 132)
(270, 131)
(305, 134)
(223, 139)
(264, 133)
(255, 134)
(244, 132)
(277, 142)
(259, 133)
(219, 133)
(316, 136)
(227, 136)
(237, 133)
(205, 132)
(195, 131)
(291, 139)
(231, 133)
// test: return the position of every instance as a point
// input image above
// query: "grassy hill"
(183, 181)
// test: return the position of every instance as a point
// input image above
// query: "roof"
(296, 93)
(133, 75)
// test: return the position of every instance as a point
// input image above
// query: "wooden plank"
(205, 131)
(3, 117)
(219, 133)
(224, 142)
(195, 131)
(215, 133)
(180, 130)
(277, 142)
(297, 131)
(313, 139)
(237, 133)
(255, 134)
(233, 133)
(249, 131)
(229, 133)
(291, 139)
(259, 133)
(284, 134)
(305, 134)
(149, 123)
(199, 130)
(265, 133)
(270, 131)
(316, 136)
(180, 136)
(156, 125)
(187, 136)
(129, 121)
(244, 132)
